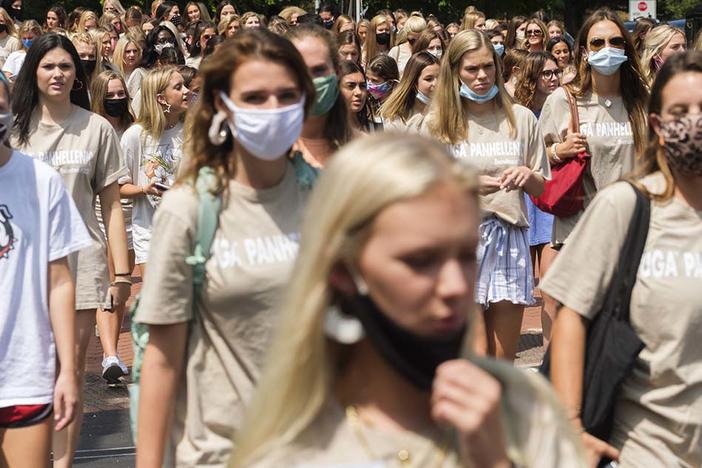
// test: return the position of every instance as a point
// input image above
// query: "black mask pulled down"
(414, 357)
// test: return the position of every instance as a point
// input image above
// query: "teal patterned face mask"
(327, 88)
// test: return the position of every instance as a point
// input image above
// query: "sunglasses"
(597, 43)
(534, 32)
(548, 74)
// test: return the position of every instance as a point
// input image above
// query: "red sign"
(643, 6)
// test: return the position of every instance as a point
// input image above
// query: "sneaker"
(113, 369)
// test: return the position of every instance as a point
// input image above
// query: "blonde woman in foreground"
(369, 365)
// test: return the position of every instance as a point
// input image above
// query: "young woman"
(473, 114)
(404, 49)
(377, 39)
(113, 7)
(382, 76)
(560, 49)
(196, 11)
(87, 20)
(352, 83)
(368, 365)
(498, 41)
(90, 58)
(39, 228)
(516, 33)
(362, 30)
(161, 37)
(641, 29)
(610, 95)
(8, 36)
(204, 32)
(250, 20)
(412, 96)
(539, 78)
(53, 124)
(152, 151)
(661, 42)
(342, 24)
(555, 28)
(110, 99)
(127, 57)
(28, 32)
(225, 9)
(291, 13)
(56, 19)
(229, 26)
(535, 35)
(473, 19)
(657, 416)
(327, 128)
(349, 47)
(431, 42)
(194, 368)
(513, 62)
(451, 30)
(134, 18)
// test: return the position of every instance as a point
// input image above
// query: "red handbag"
(563, 195)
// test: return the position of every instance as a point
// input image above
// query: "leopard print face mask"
(683, 144)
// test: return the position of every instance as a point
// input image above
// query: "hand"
(65, 398)
(595, 449)
(489, 184)
(151, 189)
(514, 178)
(574, 144)
(468, 398)
(120, 293)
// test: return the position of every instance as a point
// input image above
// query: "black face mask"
(382, 38)
(414, 357)
(88, 66)
(3, 28)
(328, 24)
(115, 107)
(15, 13)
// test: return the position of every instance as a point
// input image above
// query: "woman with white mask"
(202, 360)
(610, 95)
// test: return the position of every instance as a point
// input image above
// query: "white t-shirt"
(146, 160)
(39, 223)
(14, 63)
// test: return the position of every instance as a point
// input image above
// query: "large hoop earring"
(79, 83)
(217, 132)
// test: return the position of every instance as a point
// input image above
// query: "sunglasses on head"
(617, 41)
(534, 32)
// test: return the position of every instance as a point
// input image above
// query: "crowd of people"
(343, 223)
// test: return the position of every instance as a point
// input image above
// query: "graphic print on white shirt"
(7, 237)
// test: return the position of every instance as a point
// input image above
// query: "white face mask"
(436, 52)
(266, 133)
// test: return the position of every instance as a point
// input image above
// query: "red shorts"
(24, 415)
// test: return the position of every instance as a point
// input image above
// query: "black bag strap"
(620, 288)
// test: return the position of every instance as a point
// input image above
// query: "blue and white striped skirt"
(504, 264)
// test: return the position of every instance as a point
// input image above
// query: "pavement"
(106, 440)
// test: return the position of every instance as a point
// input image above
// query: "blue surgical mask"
(607, 61)
(499, 48)
(468, 93)
(27, 43)
(423, 98)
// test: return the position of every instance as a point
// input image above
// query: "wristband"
(122, 274)
(121, 281)
(554, 154)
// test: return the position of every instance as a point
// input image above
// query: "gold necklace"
(403, 455)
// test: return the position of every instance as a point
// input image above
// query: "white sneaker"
(113, 369)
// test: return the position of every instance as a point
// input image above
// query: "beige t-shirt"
(543, 436)
(659, 412)
(8, 44)
(610, 141)
(85, 150)
(491, 149)
(252, 255)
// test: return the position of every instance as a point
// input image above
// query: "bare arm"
(116, 237)
(161, 369)
(62, 315)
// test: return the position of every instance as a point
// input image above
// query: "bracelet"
(121, 281)
(554, 153)
(122, 274)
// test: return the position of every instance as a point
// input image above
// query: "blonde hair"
(11, 29)
(226, 22)
(362, 179)
(413, 24)
(84, 17)
(370, 46)
(697, 46)
(656, 40)
(98, 91)
(152, 118)
(94, 41)
(471, 17)
(400, 103)
(29, 26)
(118, 6)
(447, 119)
(288, 12)
(121, 47)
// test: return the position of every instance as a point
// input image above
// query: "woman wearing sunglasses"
(610, 94)
(535, 35)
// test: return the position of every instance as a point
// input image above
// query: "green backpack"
(207, 217)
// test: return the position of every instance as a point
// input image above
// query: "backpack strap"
(207, 218)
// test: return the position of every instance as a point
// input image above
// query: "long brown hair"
(216, 73)
(98, 91)
(400, 103)
(632, 83)
(653, 158)
(529, 74)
